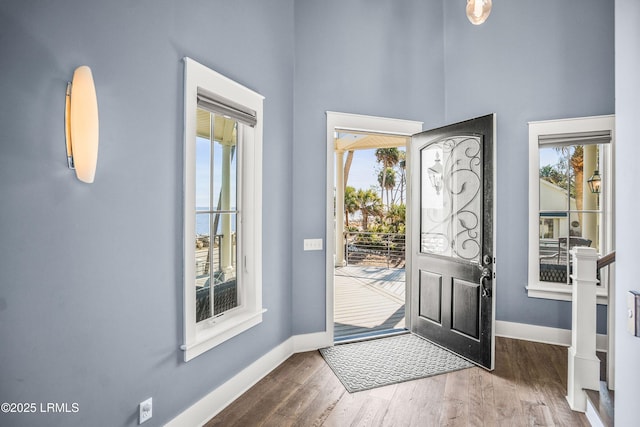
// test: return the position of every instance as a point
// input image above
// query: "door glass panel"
(451, 198)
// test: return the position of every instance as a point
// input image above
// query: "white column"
(584, 365)
(589, 200)
(339, 219)
(226, 246)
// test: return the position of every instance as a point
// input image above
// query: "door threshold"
(369, 336)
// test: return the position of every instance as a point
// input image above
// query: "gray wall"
(529, 61)
(627, 178)
(90, 275)
(401, 59)
(381, 58)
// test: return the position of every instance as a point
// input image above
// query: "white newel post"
(584, 366)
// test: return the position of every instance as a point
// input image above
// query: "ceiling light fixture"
(478, 11)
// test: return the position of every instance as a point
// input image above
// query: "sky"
(364, 169)
(203, 168)
(548, 156)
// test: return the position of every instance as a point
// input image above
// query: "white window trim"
(558, 291)
(207, 334)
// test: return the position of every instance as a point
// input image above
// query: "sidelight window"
(222, 215)
(565, 210)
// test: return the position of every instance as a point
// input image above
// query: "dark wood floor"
(527, 388)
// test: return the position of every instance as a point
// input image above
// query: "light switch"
(312, 244)
(633, 307)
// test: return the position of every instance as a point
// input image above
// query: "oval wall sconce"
(81, 124)
(478, 11)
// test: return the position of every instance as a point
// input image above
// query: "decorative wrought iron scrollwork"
(458, 220)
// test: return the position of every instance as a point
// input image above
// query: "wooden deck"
(368, 300)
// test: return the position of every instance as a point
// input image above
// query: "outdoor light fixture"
(81, 124)
(594, 182)
(478, 11)
(435, 174)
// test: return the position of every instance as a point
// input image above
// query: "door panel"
(430, 295)
(465, 308)
(452, 240)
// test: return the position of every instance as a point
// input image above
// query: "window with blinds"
(222, 209)
(564, 211)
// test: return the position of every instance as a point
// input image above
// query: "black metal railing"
(371, 248)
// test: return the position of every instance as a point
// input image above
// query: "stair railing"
(584, 366)
(606, 260)
(603, 262)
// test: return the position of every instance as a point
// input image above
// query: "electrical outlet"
(312, 244)
(146, 410)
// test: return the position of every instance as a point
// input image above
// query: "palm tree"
(350, 203)
(368, 204)
(577, 164)
(396, 217)
(402, 166)
(389, 157)
(569, 172)
(553, 175)
(387, 181)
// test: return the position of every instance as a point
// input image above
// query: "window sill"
(218, 332)
(561, 292)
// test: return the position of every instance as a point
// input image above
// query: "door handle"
(486, 276)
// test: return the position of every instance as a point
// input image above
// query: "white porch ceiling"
(365, 141)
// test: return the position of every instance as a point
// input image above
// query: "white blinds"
(577, 138)
(225, 107)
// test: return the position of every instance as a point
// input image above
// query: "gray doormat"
(379, 362)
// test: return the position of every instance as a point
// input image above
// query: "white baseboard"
(592, 415)
(310, 342)
(543, 334)
(210, 405)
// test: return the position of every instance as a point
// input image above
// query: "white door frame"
(360, 123)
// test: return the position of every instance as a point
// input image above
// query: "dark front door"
(452, 238)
